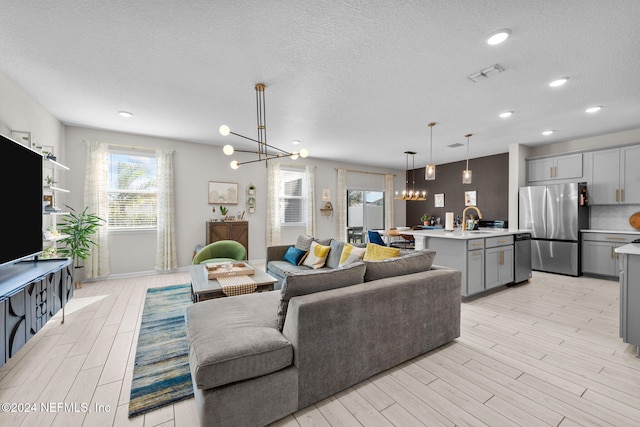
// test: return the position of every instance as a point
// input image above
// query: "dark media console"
(31, 292)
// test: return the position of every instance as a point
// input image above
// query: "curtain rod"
(133, 147)
(372, 173)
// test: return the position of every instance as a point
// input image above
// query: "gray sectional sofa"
(257, 358)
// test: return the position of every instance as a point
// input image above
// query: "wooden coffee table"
(203, 289)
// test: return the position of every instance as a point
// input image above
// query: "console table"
(31, 293)
(228, 230)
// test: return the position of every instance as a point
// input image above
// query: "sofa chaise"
(259, 357)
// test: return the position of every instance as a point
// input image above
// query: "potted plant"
(252, 189)
(426, 219)
(223, 212)
(79, 230)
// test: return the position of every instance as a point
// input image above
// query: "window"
(132, 190)
(292, 196)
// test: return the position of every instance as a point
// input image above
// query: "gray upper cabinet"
(615, 176)
(568, 166)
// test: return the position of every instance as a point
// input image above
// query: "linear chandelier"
(411, 194)
(265, 151)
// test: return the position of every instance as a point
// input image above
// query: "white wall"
(195, 165)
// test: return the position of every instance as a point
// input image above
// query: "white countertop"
(630, 249)
(611, 231)
(465, 235)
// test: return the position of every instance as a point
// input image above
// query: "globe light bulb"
(294, 156)
(227, 149)
(304, 153)
(234, 164)
(224, 130)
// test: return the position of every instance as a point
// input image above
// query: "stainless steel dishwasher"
(522, 257)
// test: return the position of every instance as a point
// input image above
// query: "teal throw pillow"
(293, 255)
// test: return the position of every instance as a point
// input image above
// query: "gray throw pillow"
(412, 263)
(333, 260)
(304, 242)
(309, 282)
(323, 242)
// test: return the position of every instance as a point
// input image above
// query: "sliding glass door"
(365, 211)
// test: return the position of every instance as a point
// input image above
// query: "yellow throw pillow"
(317, 255)
(378, 253)
(351, 254)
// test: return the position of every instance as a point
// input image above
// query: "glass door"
(365, 211)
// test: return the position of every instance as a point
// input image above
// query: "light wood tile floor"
(545, 353)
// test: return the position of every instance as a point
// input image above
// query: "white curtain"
(311, 202)
(96, 199)
(273, 205)
(389, 221)
(341, 204)
(166, 257)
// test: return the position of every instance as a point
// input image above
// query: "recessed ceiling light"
(547, 132)
(593, 109)
(559, 82)
(295, 142)
(506, 114)
(125, 114)
(497, 37)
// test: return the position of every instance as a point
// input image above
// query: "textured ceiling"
(355, 80)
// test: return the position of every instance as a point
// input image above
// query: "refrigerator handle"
(617, 195)
(622, 194)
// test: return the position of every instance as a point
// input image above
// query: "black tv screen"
(21, 178)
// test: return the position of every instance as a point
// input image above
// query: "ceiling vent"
(455, 145)
(483, 74)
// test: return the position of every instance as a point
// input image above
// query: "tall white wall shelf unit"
(51, 191)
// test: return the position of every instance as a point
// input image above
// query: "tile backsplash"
(612, 217)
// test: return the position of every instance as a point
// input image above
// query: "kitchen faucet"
(464, 215)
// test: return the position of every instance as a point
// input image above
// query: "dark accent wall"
(490, 181)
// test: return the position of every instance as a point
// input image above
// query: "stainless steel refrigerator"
(554, 214)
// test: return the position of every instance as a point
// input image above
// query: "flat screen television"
(21, 178)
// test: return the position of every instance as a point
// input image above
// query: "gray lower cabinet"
(475, 273)
(630, 299)
(498, 261)
(598, 252)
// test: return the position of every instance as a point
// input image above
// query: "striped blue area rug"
(161, 373)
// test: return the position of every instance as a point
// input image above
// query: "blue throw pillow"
(293, 255)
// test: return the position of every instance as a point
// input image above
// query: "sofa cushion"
(351, 254)
(309, 282)
(377, 253)
(304, 242)
(293, 255)
(413, 262)
(333, 260)
(281, 268)
(317, 255)
(236, 338)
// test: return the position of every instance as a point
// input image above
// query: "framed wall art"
(223, 193)
(470, 198)
(438, 200)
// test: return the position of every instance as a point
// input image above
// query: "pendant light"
(466, 174)
(430, 169)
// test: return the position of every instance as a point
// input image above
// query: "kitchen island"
(485, 257)
(629, 294)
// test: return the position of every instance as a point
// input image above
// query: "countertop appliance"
(555, 214)
(521, 257)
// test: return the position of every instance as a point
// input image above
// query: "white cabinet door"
(630, 185)
(569, 166)
(604, 188)
(540, 169)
